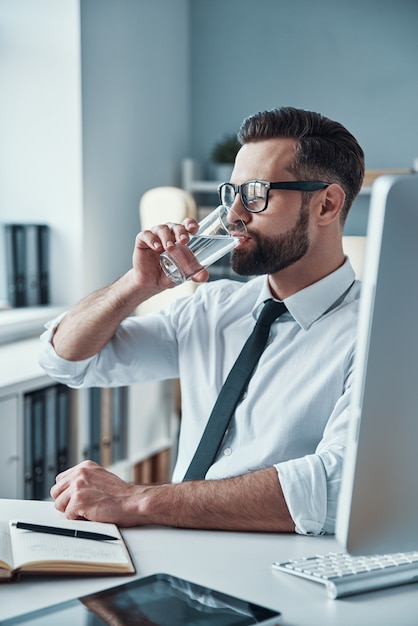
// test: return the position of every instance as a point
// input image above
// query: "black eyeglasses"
(255, 193)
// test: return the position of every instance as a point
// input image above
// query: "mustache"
(256, 236)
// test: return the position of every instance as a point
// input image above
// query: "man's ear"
(332, 201)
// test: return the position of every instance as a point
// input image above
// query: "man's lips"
(242, 239)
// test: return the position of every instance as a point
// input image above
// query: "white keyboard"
(344, 575)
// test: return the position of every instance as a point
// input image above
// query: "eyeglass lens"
(253, 195)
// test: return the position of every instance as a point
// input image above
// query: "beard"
(273, 254)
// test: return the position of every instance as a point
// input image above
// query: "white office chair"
(165, 204)
(158, 206)
(355, 247)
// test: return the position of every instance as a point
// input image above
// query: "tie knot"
(270, 312)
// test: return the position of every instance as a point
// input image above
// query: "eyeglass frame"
(293, 185)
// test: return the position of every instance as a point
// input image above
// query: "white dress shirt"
(294, 413)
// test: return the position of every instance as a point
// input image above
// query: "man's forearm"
(250, 502)
(253, 502)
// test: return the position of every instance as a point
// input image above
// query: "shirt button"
(227, 452)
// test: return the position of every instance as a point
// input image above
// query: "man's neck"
(302, 274)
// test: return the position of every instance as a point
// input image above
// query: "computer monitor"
(378, 505)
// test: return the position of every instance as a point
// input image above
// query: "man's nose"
(239, 210)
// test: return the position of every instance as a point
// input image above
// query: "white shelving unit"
(194, 182)
(21, 374)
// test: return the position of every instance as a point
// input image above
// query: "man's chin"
(243, 267)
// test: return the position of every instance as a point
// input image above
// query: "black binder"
(38, 444)
(43, 263)
(51, 438)
(27, 453)
(16, 264)
(95, 426)
(63, 427)
(31, 265)
(27, 264)
(119, 424)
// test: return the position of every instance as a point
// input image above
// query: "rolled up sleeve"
(142, 349)
(311, 484)
(310, 487)
(71, 373)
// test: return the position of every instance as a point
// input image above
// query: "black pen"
(66, 532)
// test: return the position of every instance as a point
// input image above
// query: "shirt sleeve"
(61, 370)
(142, 349)
(311, 484)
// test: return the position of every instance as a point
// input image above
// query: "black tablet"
(159, 600)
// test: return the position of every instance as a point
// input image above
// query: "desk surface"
(236, 563)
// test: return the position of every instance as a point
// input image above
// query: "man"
(279, 465)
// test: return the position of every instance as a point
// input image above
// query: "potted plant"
(223, 156)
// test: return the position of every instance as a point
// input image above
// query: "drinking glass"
(218, 234)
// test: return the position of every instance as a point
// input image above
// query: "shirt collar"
(309, 304)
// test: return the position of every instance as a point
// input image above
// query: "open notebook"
(28, 552)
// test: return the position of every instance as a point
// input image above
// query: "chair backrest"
(165, 204)
(158, 206)
(354, 247)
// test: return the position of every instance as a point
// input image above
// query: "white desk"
(236, 563)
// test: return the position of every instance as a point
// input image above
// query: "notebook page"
(31, 547)
(5, 545)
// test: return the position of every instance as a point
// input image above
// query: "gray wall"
(353, 60)
(135, 116)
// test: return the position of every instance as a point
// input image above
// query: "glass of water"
(218, 234)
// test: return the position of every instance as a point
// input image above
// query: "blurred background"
(101, 100)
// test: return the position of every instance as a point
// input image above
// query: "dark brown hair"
(325, 150)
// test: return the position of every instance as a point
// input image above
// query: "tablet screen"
(159, 600)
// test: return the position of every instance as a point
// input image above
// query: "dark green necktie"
(232, 391)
